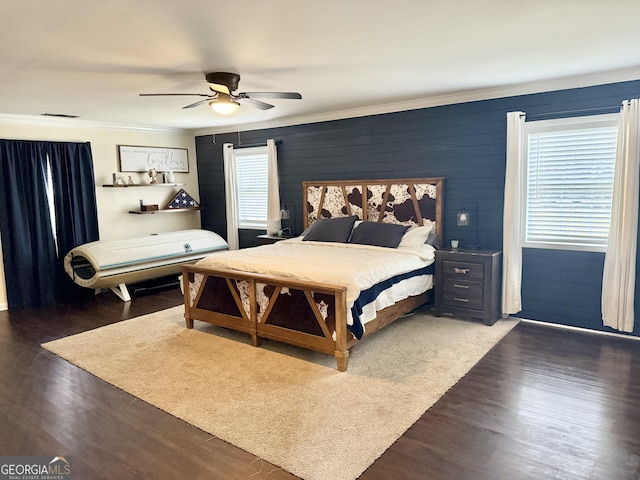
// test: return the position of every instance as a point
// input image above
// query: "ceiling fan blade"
(198, 103)
(255, 103)
(285, 95)
(173, 94)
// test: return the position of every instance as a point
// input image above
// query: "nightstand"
(469, 284)
(268, 239)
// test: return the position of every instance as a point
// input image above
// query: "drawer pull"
(463, 271)
(466, 300)
(457, 285)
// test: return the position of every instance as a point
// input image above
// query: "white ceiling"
(345, 57)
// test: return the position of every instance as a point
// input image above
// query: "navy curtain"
(33, 265)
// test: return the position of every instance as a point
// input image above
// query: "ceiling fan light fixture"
(224, 105)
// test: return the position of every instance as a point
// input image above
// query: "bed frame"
(213, 295)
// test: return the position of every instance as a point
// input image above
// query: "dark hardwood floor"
(545, 403)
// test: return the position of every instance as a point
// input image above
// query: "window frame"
(541, 126)
(238, 153)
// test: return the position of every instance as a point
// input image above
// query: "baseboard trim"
(580, 329)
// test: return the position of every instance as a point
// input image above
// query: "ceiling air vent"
(59, 115)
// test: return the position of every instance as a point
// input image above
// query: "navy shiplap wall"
(465, 144)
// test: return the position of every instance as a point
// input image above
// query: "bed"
(365, 259)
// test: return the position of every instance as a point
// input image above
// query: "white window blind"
(569, 182)
(252, 187)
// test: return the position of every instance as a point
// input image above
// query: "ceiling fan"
(222, 98)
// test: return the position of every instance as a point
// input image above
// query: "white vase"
(273, 226)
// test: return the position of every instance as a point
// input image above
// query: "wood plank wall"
(465, 144)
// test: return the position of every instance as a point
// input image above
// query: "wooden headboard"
(407, 201)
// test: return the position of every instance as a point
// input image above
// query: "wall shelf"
(169, 210)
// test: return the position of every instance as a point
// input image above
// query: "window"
(52, 205)
(252, 187)
(569, 181)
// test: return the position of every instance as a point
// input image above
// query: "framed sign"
(141, 159)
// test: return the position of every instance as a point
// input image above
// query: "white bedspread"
(357, 267)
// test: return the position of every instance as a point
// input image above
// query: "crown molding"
(41, 121)
(513, 90)
(451, 98)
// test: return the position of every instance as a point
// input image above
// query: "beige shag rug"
(288, 406)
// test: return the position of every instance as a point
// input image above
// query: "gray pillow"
(378, 234)
(432, 240)
(331, 229)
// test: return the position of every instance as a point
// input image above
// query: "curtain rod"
(251, 145)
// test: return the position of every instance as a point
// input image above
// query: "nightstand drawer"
(460, 293)
(469, 271)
